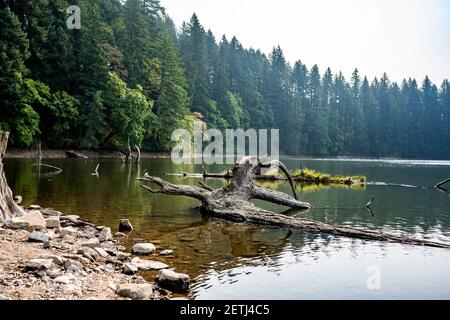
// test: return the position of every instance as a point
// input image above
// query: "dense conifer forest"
(128, 73)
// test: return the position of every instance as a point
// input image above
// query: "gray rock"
(32, 220)
(122, 256)
(56, 259)
(52, 222)
(51, 213)
(91, 243)
(70, 217)
(120, 235)
(100, 228)
(69, 231)
(147, 265)
(69, 239)
(34, 207)
(166, 252)
(89, 253)
(73, 266)
(136, 291)
(39, 264)
(101, 252)
(42, 273)
(173, 281)
(4, 298)
(125, 225)
(62, 280)
(129, 268)
(143, 248)
(105, 235)
(107, 245)
(37, 236)
(53, 272)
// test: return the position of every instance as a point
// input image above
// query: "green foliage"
(128, 74)
(127, 111)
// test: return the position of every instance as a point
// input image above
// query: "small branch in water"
(95, 173)
(39, 151)
(370, 203)
(440, 184)
(48, 166)
(206, 187)
(138, 156)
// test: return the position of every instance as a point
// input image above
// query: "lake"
(233, 261)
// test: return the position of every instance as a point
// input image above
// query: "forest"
(129, 73)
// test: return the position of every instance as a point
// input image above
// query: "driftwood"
(232, 202)
(263, 177)
(440, 184)
(95, 173)
(8, 205)
(138, 154)
(47, 166)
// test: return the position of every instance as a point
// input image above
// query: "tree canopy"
(128, 73)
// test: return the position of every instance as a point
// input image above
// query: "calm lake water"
(234, 261)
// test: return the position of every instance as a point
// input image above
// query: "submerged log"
(232, 202)
(8, 206)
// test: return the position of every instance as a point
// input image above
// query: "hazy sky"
(401, 37)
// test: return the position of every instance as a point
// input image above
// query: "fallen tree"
(8, 206)
(232, 202)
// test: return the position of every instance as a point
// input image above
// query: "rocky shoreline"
(45, 255)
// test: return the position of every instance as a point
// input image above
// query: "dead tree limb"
(8, 206)
(440, 184)
(47, 166)
(232, 202)
(138, 154)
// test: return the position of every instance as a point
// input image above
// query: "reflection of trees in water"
(221, 246)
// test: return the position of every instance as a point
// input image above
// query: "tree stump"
(232, 202)
(8, 207)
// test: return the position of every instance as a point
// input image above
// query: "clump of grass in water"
(309, 175)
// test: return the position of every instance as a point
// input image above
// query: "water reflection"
(229, 260)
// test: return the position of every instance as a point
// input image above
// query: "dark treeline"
(128, 73)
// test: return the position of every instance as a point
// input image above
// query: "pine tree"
(16, 113)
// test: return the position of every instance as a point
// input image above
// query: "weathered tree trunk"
(232, 202)
(8, 207)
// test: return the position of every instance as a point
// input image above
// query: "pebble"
(129, 268)
(91, 243)
(147, 265)
(105, 235)
(173, 281)
(101, 252)
(143, 248)
(53, 222)
(56, 259)
(166, 252)
(122, 256)
(37, 236)
(136, 291)
(125, 225)
(37, 264)
(120, 235)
